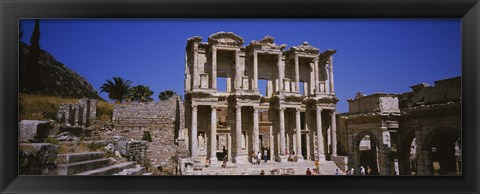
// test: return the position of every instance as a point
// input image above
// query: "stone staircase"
(270, 168)
(94, 163)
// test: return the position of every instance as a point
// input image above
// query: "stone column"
(299, 135)
(317, 78)
(238, 77)
(280, 75)
(320, 149)
(282, 134)
(76, 115)
(297, 75)
(196, 75)
(334, 134)
(255, 71)
(238, 134)
(255, 134)
(330, 61)
(214, 68)
(194, 139)
(213, 136)
(272, 148)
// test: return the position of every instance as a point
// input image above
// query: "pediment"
(225, 39)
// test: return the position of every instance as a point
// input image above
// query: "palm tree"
(140, 93)
(117, 88)
(165, 95)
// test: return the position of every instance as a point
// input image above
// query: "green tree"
(140, 93)
(165, 95)
(117, 88)
(30, 75)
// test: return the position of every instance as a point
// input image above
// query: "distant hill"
(55, 78)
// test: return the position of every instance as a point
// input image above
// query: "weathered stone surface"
(37, 158)
(33, 130)
(83, 113)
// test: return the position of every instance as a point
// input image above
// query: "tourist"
(268, 152)
(352, 171)
(317, 165)
(362, 170)
(265, 155)
(224, 165)
(314, 172)
(259, 157)
(336, 172)
(262, 173)
(308, 172)
(369, 170)
(224, 151)
(253, 158)
(207, 162)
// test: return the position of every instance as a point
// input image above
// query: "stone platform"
(270, 168)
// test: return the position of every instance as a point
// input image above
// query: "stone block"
(37, 158)
(31, 131)
(76, 131)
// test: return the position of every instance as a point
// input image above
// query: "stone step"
(138, 170)
(77, 167)
(147, 174)
(79, 157)
(109, 170)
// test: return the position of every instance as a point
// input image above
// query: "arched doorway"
(366, 149)
(440, 146)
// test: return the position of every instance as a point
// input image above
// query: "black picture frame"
(11, 11)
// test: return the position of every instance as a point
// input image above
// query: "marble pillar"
(317, 78)
(299, 135)
(320, 148)
(334, 134)
(330, 61)
(255, 71)
(213, 136)
(238, 135)
(297, 75)
(255, 134)
(282, 135)
(214, 68)
(194, 146)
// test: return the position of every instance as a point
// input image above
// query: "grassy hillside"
(40, 107)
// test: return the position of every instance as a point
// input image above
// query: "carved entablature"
(325, 56)
(225, 39)
(192, 40)
(305, 48)
(265, 44)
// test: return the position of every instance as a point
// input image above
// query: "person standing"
(253, 158)
(259, 157)
(265, 155)
(308, 172)
(362, 170)
(369, 170)
(317, 165)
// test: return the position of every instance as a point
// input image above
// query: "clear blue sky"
(374, 55)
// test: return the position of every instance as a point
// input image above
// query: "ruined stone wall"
(83, 113)
(164, 120)
(378, 102)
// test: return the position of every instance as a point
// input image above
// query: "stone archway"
(366, 157)
(407, 156)
(438, 151)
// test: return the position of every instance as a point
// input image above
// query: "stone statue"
(413, 159)
(201, 142)
(243, 141)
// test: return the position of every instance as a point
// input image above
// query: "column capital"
(298, 109)
(214, 49)
(214, 106)
(256, 108)
(319, 108)
(238, 108)
(194, 105)
(281, 109)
